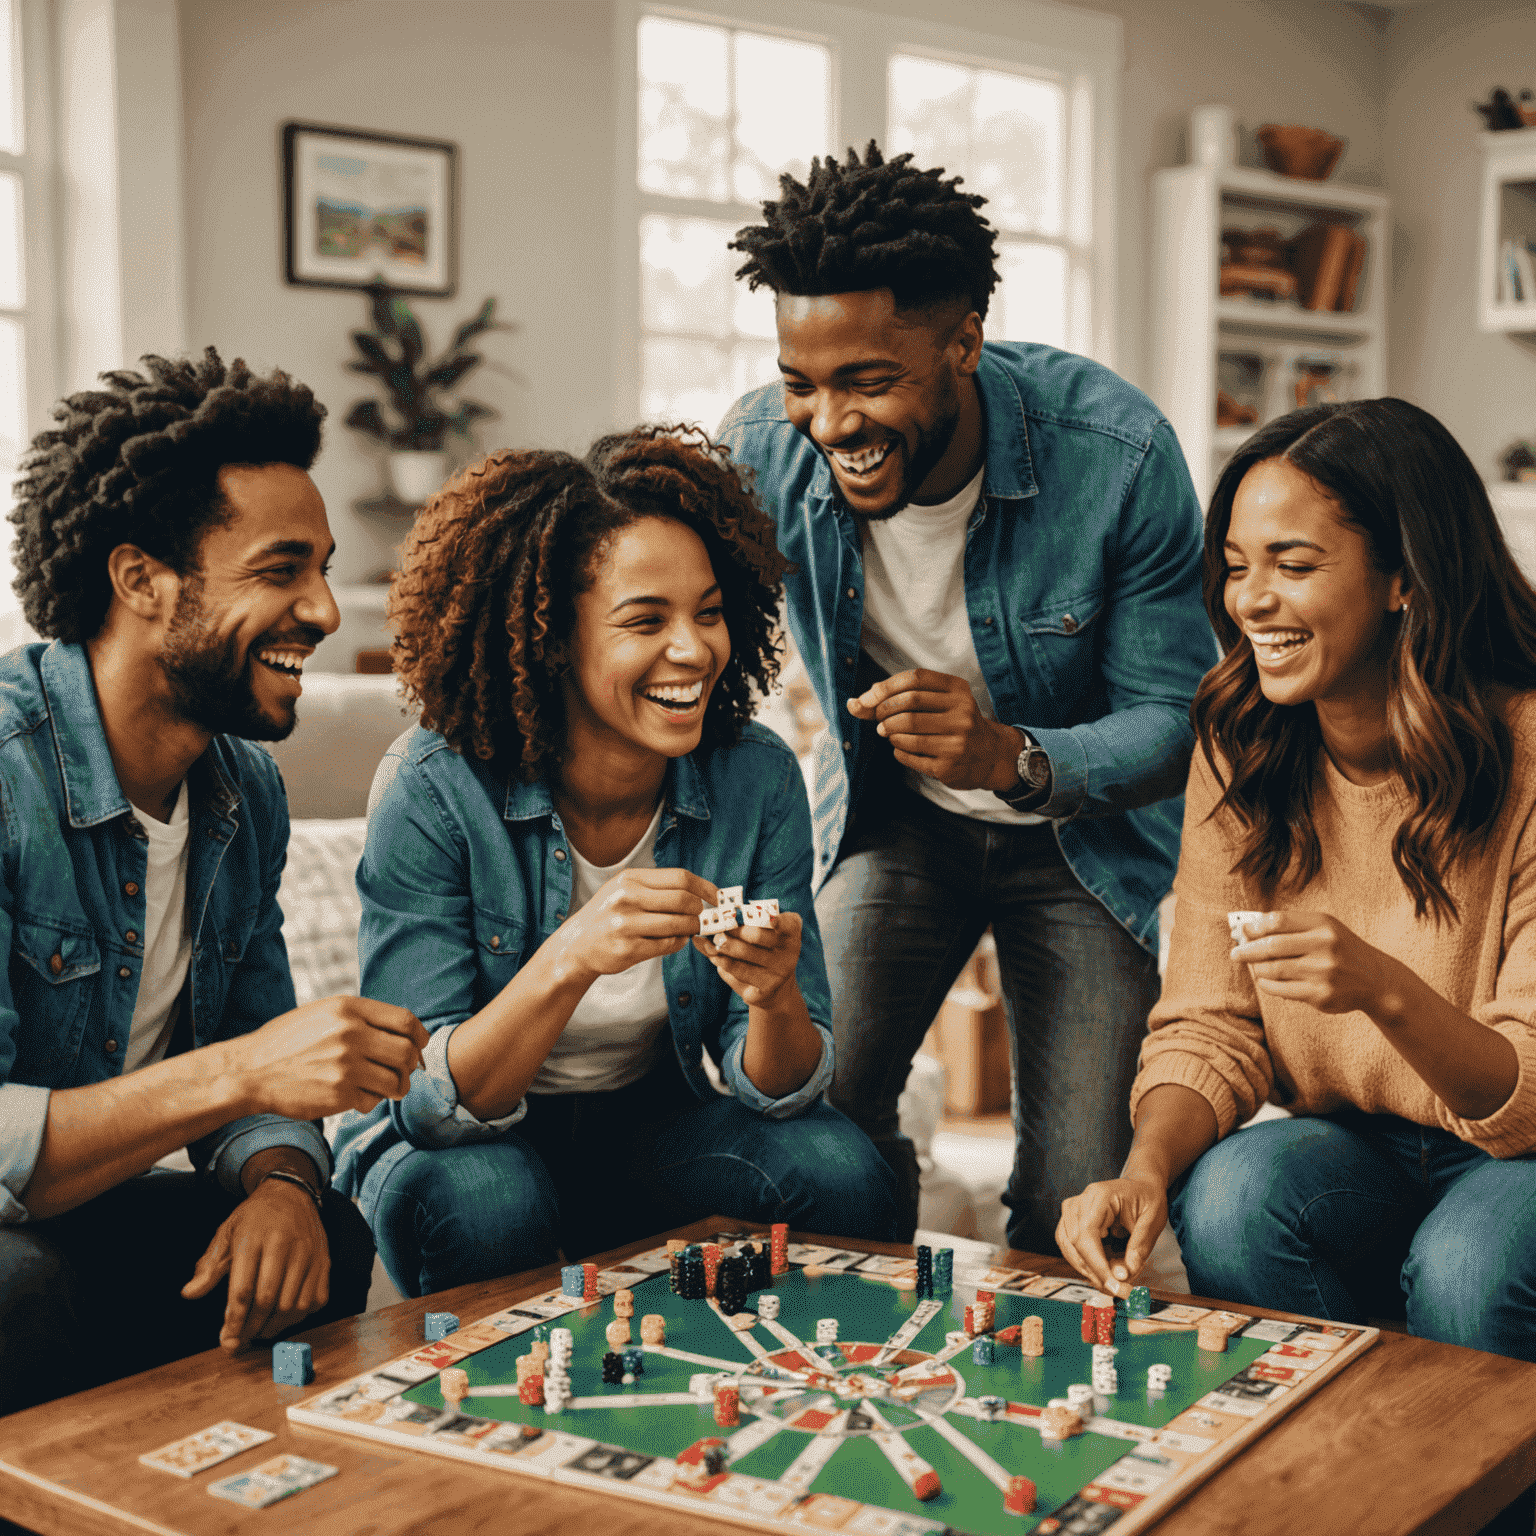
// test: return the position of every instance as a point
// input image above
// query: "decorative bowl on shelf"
(1308, 153)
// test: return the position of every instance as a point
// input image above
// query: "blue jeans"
(583, 1172)
(912, 894)
(1345, 1215)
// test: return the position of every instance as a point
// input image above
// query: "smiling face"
(247, 620)
(1302, 588)
(649, 645)
(887, 396)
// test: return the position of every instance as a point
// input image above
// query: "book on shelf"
(1328, 260)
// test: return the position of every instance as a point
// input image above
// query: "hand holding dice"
(640, 914)
(1313, 958)
(751, 944)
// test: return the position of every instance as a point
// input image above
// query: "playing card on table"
(207, 1448)
(271, 1481)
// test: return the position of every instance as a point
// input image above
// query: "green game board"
(1139, 1453)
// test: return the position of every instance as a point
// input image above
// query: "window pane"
(682, 380)
(685, 275)
(10, 78)
(684, 127)
(781, 111)
(10, 242)
(13, 403)
(753, 363)
(1030, 304)
(1004, 133)
(754, 314)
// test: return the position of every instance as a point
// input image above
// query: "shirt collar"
(1010, 467)
(683, 791)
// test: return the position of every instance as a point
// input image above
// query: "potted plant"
(395, 351)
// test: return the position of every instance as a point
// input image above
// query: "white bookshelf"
(1192, 327)
(1509, 212)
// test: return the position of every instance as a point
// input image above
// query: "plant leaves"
(408, 329)
(446, 374)
(373, 348)
(365, 416)
(484, 321)
(380, 302)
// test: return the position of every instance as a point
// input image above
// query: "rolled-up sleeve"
(225, 1153)
(435, 1116)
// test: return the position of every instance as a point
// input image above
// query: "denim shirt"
(72, 862)
(1082, 583)
(465, 874)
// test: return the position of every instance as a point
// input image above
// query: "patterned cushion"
(321, 909)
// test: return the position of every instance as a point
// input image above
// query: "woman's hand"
(755, 963)
(1313, 958)
(1133, 1208)
(638, 915)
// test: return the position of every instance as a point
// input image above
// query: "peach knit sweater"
(1214, 1032)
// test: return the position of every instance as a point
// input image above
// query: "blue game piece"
(983, 1351)
(634, 1360)
(292, 1364)
(1140, 1302)
(440, 1325)
(573, 1281)
(943, 1271)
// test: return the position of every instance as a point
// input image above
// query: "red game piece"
(778, 1248)
(530, 1390)
(970, 1320)
(1020, 1497)
(1106, 1325)
(727, 1405)
(926, 1485)
(1090, 1322)
(1009, 1335)
(589, 1282)
(711, 1267)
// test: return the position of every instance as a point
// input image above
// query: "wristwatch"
(1034, 770)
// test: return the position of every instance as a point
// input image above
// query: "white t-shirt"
(611, 1038)
(915, 616)
(167, 936)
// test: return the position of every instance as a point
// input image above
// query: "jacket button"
(847, 661)
(124, 972)
(131, 888)
(987, 622)
(111, 1046)
(560, 855)
(847, 746)
(853, 593)
(684, 998)
(495, 941)
(1068, 624)
(131, 936)
(56, 963)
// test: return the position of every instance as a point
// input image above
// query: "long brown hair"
(1398, 476)
(485, 602)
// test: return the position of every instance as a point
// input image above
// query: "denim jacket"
(72, 862)
(465, 874)
(1082, 582)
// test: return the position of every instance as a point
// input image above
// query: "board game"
(896, 1428)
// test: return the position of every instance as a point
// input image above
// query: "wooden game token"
(624, 1303)
(454, 1384)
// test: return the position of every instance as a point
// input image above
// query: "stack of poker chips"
(653, 1329)
(573, 1280)
(634, 1363)
(557, 1374)
(768, 1307)
(1104, 1324)
(826, 1338)
(1032, 1336)
(1060, 1420)
(759, 1270)
(613, 1368)
(778, 1237)
(675, 1247)
(924, 1272)
(1080, 1396)
(727, 1404)
(1158, 1377)
(978, 1317)
(530, 1381)
(1090, 1322)
(711, 1267)
(691, 1273)
(983, 1351)
(1106, 1380)
(943, 1271)
(1139, 1304)
(731, 1284)
(589, 1282)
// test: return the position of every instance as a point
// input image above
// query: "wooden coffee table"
(1413, 1437)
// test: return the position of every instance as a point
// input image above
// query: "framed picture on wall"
(364, 207)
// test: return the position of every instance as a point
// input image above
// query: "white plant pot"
(416, 474)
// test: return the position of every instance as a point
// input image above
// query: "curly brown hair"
(485, 602)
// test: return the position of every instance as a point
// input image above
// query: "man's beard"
(209, 687)
(932, 445)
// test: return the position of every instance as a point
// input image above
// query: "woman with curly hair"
(584, 640)
(1361, 807)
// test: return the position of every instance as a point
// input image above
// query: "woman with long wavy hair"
(584, 639)
(1361, 805)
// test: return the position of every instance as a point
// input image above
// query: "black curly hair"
(138, 462)
(860, 225)
(485, 602)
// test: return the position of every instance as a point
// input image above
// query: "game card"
(207, 1448)
(271, 1481)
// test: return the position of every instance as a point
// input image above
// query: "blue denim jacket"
(70, 852)
(465, 874)
(1082, 581)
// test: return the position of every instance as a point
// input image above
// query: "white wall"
(523, 87)
(1439, 59)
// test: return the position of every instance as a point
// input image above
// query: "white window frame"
(1083, 49)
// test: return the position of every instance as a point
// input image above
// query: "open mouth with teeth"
(676, 699)
(284, 663)
(1278, 645)
(862, 461)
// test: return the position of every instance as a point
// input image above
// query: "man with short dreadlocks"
(172, 545)
(997, 596)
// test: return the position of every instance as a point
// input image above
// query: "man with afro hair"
(997, 596)
(172, 546)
